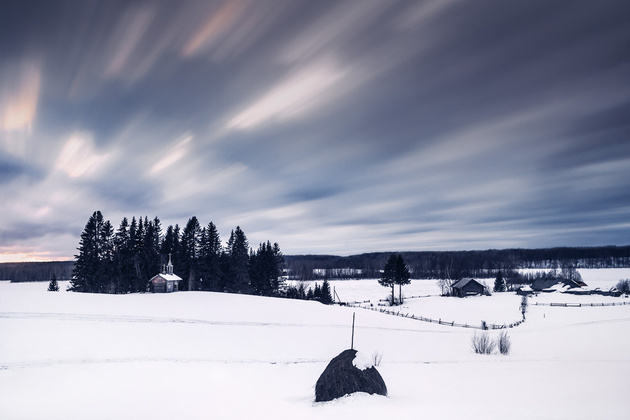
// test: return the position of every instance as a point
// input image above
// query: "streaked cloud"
(340, 24)
(302, 91)
(173, 155)
(20, 86)
(78, 157)
(126, 39)
(219, 23)
(424, 11)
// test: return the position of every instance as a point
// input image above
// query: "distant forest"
(422, 265)
(456, 264)
(36, 271)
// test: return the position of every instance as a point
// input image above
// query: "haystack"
(342, 377)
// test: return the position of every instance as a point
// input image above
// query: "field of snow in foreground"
(196, 355)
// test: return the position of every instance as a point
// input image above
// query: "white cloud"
(175, 154)
(302, 91)
(78, 158)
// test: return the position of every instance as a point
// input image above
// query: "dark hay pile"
(341, 377)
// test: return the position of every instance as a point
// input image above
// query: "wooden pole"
(352, 342)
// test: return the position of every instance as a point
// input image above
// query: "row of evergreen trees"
(123, 261)
(321, 293)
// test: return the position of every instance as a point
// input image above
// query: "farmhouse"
(552, 285)
(467, 287)
(166, 281)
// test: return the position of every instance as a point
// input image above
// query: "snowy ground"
(193, 355)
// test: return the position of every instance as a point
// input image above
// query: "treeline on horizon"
(456, 264)
(422, 264)
(19, 272)
(124, 260)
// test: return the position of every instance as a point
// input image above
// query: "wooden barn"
(467, 287)
(166, 281)
(552, 285)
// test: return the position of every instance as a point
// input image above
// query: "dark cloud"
(33, 231)
(10, 170)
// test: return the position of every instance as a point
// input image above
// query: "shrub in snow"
(377, 358)
(503, 343)
(486, 289)
(391, 300)
(623, 286)
(53, 286)
(482, 344)
(346, 374)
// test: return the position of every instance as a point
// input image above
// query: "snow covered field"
(195, 355)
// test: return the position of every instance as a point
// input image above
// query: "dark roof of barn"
(460, 284)
(545, 284)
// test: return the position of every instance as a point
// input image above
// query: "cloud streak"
(302, 91)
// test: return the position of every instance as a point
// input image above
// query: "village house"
(552, 285)
(166, 281)
(467, 287)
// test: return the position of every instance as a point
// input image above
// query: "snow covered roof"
(463, 282)
(168, 277)
(555, 284)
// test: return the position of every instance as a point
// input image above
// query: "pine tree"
(210, 265)
(278, 281)
(258, 271)
(265, 269)
(123, 259)
(166, 247)
(236, 272)
(301, 290)
(53, 286)
(388, 278)
(147, 256)
(317, 293)
(401, 277)
(177, 246)
(499, 283)
(326, 296)
(189, 253)
(155, 261)
(90, 268)
(106, 278)
(137, 239)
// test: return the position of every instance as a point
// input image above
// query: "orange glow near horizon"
(30, 257)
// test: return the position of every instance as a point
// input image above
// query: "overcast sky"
(331, 127)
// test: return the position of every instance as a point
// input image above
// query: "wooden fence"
(482, 326)
(579, 305)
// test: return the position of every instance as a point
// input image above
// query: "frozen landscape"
(200, 355)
